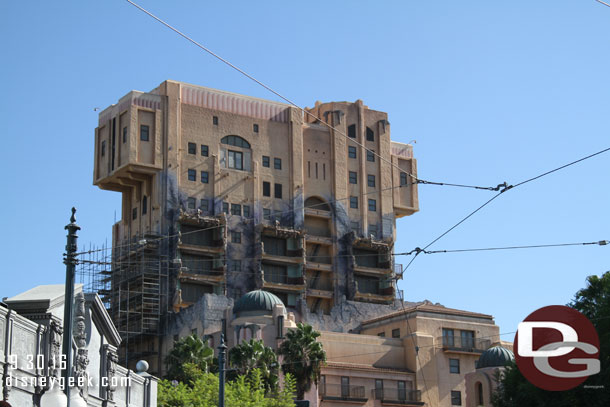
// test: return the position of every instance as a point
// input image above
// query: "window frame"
(192, 148)
(191, 202)
(455, 394)
(267, 189)
(246, 211)
(353, 202)
(454, 366)
(370, 180)
(352, 152)
(236, 209)
(370, 134)
(235, 237)
(277, 191)
(396, 333)
(205, 177)
(205, 150)
(277, 163)
(233, 158)
(191, 174)
(372, 204)
(266, 161)
(144, 132)
(370, 156)
(353, 177)
(403, 179)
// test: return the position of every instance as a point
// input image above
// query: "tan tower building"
(225, 193)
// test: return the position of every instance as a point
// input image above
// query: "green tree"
(251, 355)
(189, 357)
(303, 357)
(516, 391)
(242, 392)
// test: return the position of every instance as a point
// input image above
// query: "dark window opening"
(225, 207)
(246, 211)
(144, 132)
(454, 366)
(235, 237)
(235, 141)
(371, 181)
(192, 175)
(204, 150)
(266, 188)
(278, 191)
(124, 134)
(351, 131)
(190, 203)
(236, 209)
(456, 398)
(403, 178)
(215, 120)
(277, 163)
(353, 177)
(353, 202)
(134, 213)
(205, 177)
(370, 134)
(265, 161)
(351, 152)
(144, 205)
(372, 205)
(396, 333)
(103, 148)
(370, 156)
(236, 160)
(192, 148)
(255, 128)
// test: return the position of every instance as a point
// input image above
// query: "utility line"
(504, 189)
(290, 102)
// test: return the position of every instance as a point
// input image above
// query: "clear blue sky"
(491, 91)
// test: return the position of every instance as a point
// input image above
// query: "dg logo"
(557, 348)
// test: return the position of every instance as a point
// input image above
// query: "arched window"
(235, 141)
(479, 390)
(316, 203)
(235, 159)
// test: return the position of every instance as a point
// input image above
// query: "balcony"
(281, 281)
(459, 344)
(341, 392)
(398, 396)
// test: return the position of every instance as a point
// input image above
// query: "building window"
(379, 389)
(192, 148)
(265, 161)
(205, 176)
(134, 213)
(190, 203)
(103, 148)
(355, 226)
(278, 191)
(277, 163)
(381, 334)
(235, 237)
(351, 131)
(456, 398)
(353, 202)
(204, 205)
(403, 178)
(144, 205)
(454, 366)
(255, 128)
(192, 175)
(396, 333)
(372, 205)
(124, 134)
(353, 177)
(371, 180)
(234, 265)
(479, 391)
(373, 231)
(246, 211)
(467, 338)
(344, 386)
(266, 213)
(144, 130)
(205, 151)
(225, 207)
(266, 188)
(235, 141)
(370, 135)
(277, 215)
(448, 339)
(370, 156)
(236, 209)
(215, 120)
(236, 160)
(351, 152)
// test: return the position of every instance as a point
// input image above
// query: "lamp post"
(222, 350)
(70, 262)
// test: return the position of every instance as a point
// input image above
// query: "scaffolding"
(132, 279)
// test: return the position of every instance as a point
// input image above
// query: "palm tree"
(189, 350)
(253, 354)
(303, 357)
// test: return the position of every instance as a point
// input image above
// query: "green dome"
(496, 356)
(256, 302)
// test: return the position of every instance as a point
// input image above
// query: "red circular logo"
(557, 348)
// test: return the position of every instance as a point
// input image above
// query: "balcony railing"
(464, 344)
(343, 392)
(397, 396)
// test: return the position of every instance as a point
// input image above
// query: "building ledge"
(318, 213)
(196, 249)
(327, 241)
(284, 287)
(318, 266)
(201, 278)
(376, 298)
(314, 292)
(373, 271)
(282, 259)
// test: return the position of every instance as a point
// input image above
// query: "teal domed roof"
(256, 302)
(496, 356)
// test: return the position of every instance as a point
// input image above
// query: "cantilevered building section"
(231, 193)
